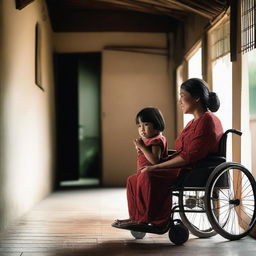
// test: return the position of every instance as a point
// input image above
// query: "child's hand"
(139, 143)
(137, 149)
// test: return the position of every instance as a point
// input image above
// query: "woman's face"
(188, 103)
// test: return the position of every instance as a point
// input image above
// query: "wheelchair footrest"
(147, 228)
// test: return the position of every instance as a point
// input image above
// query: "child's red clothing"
(148, 193)
(158, 140)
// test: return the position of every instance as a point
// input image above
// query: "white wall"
(26, 112)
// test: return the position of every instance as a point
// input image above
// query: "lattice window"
(220, 40)
(248, 27)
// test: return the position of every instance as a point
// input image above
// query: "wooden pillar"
(205, 56)
(237, 88)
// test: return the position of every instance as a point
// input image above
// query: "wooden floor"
(76, 223)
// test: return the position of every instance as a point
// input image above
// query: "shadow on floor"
(124, 249)
(194, 247)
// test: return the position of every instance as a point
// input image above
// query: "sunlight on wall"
(222, 85)
(194, 71)
(179, 114)
(252, 107)
(248, 121)
(252, 81)
(245, 116)
(195, 65)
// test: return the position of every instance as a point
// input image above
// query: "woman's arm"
(174, 162)
(152, 154)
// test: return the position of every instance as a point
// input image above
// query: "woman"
(148, 192)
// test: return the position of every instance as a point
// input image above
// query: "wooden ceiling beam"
(110, 21)
(91, 15)
(142, 6)
(212, 7)
(189, 8)
(153, 7)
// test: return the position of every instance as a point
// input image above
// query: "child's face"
(146, 130)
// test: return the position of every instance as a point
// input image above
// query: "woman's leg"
(154, 195)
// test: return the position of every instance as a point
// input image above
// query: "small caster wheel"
(178, 234)
(137, 234)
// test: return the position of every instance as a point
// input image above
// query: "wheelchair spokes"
(231, 204)
(193, 215)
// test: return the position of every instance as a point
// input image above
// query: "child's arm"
(153, 155)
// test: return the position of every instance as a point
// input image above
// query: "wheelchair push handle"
(223, 141)
(237, 132)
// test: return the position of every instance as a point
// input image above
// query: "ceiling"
(128, 15)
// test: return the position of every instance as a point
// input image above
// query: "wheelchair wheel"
(230, 200)
(197, 222)
(178, 233)
(137, 234)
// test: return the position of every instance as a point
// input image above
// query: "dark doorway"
(78, 119)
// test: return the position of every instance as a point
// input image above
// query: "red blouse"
(158, 140)
(199, 138)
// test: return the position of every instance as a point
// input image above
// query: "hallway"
(76, 223)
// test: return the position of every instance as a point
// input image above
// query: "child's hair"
(151, 115)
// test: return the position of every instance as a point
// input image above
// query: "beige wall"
(26, 125)
(96, 41)
(129, 82)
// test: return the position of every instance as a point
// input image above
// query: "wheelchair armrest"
(210, 160)
(200, 172)
(171, 151)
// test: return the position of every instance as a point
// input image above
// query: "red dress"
(158, 140)
(148, 193)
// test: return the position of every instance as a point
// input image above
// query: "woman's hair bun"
(198, 88)
(213, 102)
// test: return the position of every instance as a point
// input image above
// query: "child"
(152, 145)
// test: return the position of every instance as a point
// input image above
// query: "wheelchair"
(214, 197)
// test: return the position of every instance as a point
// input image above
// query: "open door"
(78, 119)
(66, 117)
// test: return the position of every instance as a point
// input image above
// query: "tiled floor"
(76, 223)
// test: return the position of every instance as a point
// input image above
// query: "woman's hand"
(147, 168)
